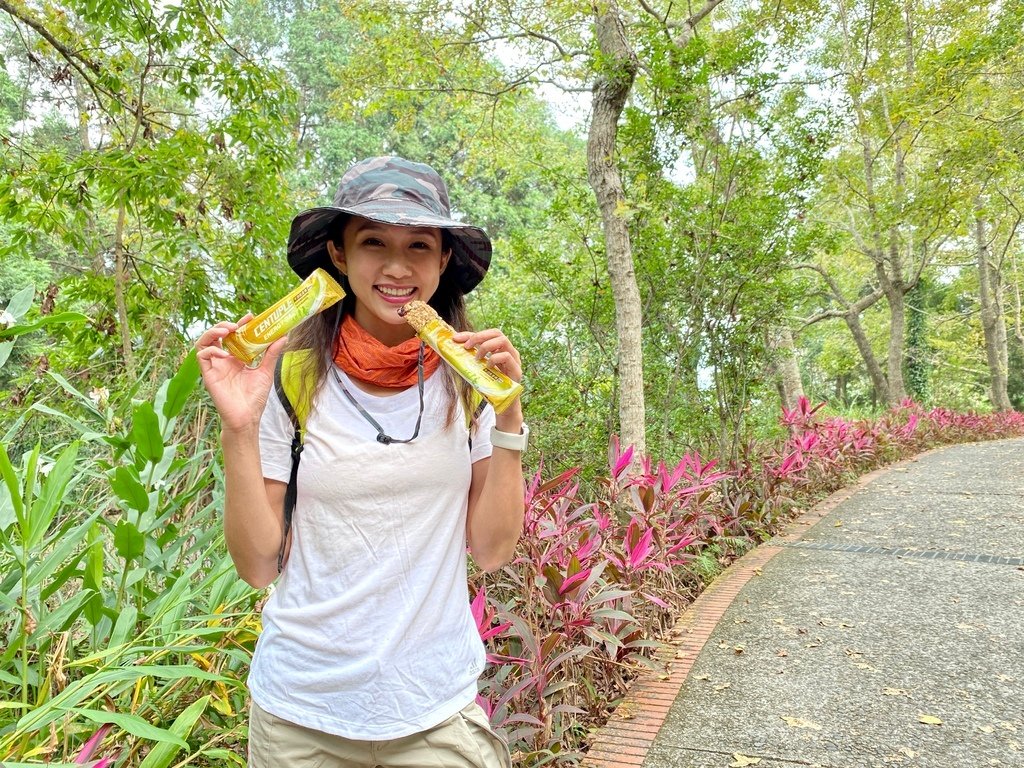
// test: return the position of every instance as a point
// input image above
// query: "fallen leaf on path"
(723, 686)
(837, 524)
(929, 720)
(626, 710)
(741, 761)
(782, 652)
(799, 722)
(895, 692)
(987, 729)
(908, 752)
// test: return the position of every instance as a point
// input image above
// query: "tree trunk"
(897, 348)
(610, 92)
(992, 322)
(841, 389)
(895, 291)
(881, 386)
(120, 289)
(787, 368)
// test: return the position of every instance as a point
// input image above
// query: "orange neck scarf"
(363, 357)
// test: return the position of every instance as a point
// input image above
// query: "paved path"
(886, 628)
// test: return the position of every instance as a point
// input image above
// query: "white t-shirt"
(368, 634)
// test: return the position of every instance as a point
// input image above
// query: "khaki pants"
(464, 740)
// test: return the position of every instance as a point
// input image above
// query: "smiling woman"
(369, 654)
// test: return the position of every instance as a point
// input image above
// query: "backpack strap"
(288, 386)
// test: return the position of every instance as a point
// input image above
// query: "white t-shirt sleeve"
(482, 435)
(276, 433)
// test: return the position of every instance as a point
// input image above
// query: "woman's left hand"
(493, 345)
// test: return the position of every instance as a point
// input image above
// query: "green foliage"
(155, 197)
(130, 613)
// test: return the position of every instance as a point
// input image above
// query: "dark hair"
(319, 334)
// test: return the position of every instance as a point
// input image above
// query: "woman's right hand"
(239, 392)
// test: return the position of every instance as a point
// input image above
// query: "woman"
(369, 655)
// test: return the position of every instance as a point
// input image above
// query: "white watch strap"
(511, 441)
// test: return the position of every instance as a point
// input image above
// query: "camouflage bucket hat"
(390, 190)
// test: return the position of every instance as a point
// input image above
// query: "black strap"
(289, 496)
(292, 490)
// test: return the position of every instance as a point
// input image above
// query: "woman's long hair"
(319, 334)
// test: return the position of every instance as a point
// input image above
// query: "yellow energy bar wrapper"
(499, 390)
(314, 294)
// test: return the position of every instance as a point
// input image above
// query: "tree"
(904, 68)
(149, 163)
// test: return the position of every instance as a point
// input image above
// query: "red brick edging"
(623, 742)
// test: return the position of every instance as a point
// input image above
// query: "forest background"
(701, 214)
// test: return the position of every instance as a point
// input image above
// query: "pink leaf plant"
(601, 572)
(84, 756)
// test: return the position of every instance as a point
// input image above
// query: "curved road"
(884, 629)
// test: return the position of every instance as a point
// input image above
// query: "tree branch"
(75, 60)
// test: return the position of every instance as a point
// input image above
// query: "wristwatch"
(511, 441)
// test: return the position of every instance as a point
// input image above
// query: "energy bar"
(499, 390)
(314, 294)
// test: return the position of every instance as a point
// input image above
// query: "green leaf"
(180, 387)
(124, 627)
(93, 575)
(125, 483)
(57, 319)
(61, 547)
(26, 522)
(82, 398)
(162, 754)
(52, 623)
(132, 724)
(12, 482)
(92, 578)
(21, 302)
(130, 544)
(146, 437)
(83, 429)
(51, 497)
(5, 351)
(222, 756)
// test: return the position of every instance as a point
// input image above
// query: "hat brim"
(310, 230)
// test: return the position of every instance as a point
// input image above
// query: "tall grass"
(120, 605)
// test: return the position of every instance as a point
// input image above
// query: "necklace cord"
(382, 437)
